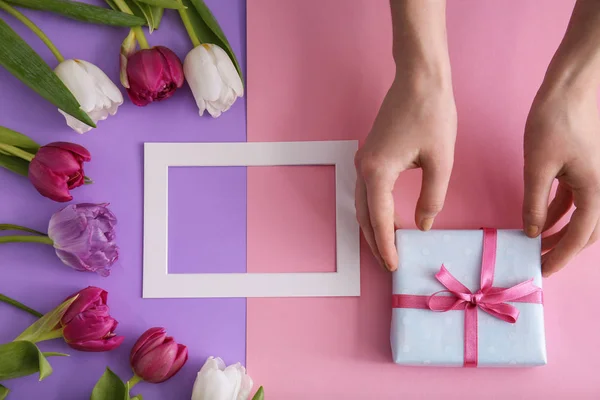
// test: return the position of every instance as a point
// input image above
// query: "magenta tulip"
(57, 168)
(87, 324)
(153, 75)
(156, 357)
(84, 237)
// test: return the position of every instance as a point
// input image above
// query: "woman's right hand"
(415, 128)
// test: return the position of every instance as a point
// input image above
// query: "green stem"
(134, 381)
(139, 32)
(11, 227)
(21, 306)
(28, 23)
(27, 239)
(15, 151)
(185, 18)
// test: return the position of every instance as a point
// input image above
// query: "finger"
(595, 235)
(560, 205)
(538, 183)
(550, 241)
(433, 193)
(579, 231)
(397, 222)
(381, 213)
(362, 215)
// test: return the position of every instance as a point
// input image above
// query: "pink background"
(317, 70)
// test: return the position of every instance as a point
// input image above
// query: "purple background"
(207, 208)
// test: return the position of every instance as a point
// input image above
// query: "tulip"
(97, 95)
(156, 357)
(57, 168)
(87, 324)
(217, 382)
(153, 74)
(83, 236)
(213, 79)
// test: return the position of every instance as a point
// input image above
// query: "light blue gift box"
(424, 337)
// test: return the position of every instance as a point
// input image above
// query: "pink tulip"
(153, 75)
(156, 357)
(57, 168)
(87, 324)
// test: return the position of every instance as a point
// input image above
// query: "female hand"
(562, 141)
(415, 128)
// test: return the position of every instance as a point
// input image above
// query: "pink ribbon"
(490, 299)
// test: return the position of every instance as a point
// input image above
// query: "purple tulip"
(84, 237)
(57, 168)
(153, 75)
(156, 357)
(87, 324)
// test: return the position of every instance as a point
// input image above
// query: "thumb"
(433, 193)
(538, 183)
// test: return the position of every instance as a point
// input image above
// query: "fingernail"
(532, 230)
(426, 224)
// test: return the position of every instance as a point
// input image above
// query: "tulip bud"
(87, 324)
(153, 75)
(217, 382)
(156, 357)
(84, 237)
(57, 168)
(214, 81)
(98, 95)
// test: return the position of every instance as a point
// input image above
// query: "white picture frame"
(159, 283)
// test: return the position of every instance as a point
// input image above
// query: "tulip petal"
(150, 339)
(85, 299)
(98, 345)
(202, 74)
(49, 184)
(75, 124)
(212, 384)
(155, 365)
(86, 326)
(227, 70)
(76, 79)
(173, 65)
(73, 148)
(61, 162)
(180, 360)
(103, 83)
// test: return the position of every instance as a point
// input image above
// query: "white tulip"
(213, 79)
(217, 382)
(97, 95)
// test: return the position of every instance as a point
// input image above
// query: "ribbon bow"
(488, 298)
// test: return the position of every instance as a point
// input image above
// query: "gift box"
(468, 298)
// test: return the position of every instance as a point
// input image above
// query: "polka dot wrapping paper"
(425, 337)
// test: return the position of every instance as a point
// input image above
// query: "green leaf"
(211, 23)
(109, 387)
(25, 64)
(54, 354)
(260, 394)
(151, 15)
(22, 358)
(14, 164)
(174, 4)
(13, 138)
(45, 327)
(81, 12)
(3, 392)
(137, 397)
(157, 14)
(145, 10)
